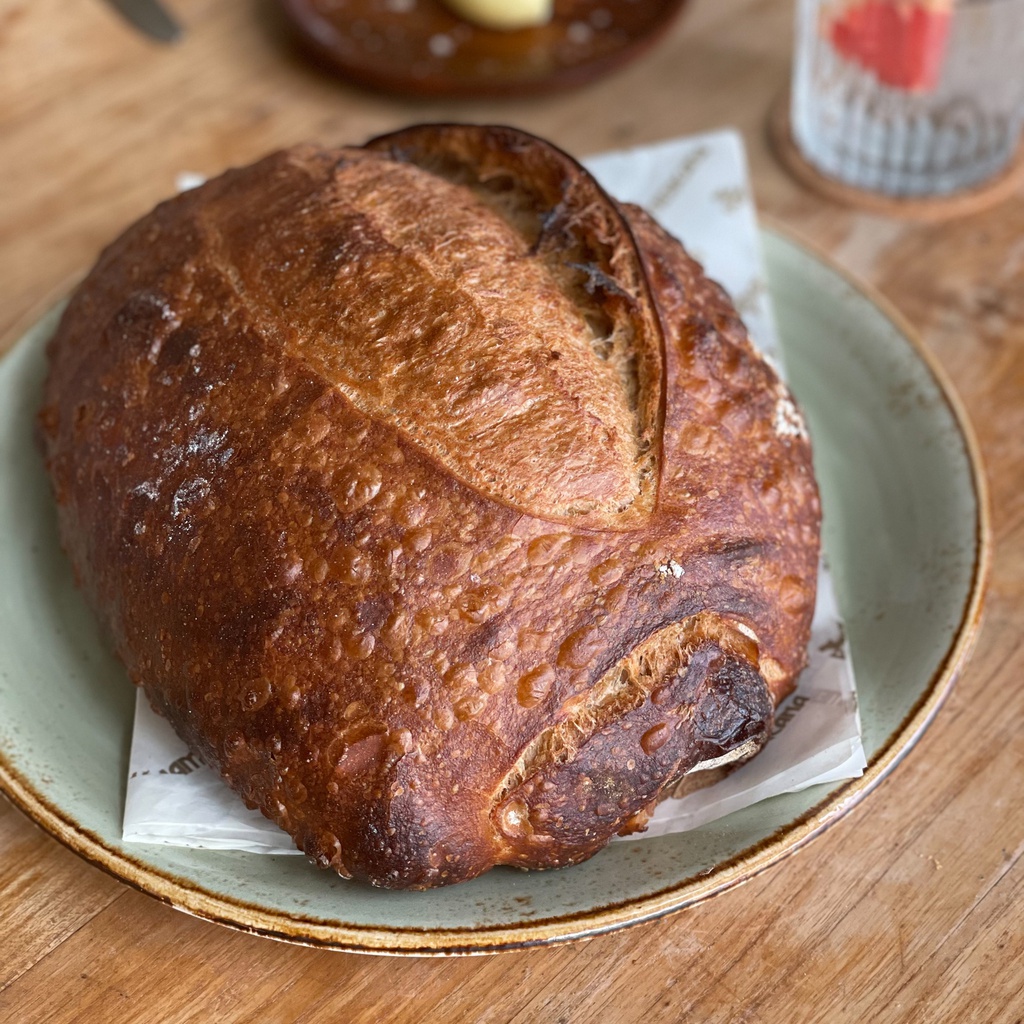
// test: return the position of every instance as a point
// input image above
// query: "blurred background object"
(423, 47)
(151, 18)
(909, 98)
(503, 14)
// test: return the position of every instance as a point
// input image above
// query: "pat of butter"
(504, 14)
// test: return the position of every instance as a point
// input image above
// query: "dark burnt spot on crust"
(698, 705)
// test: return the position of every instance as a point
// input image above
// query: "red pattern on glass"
(902, 43)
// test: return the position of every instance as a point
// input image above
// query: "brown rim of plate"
(428, 51)
(185, 895)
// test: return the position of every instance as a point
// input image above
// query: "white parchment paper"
(698, 188)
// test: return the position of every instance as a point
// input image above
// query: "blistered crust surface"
(412, 584)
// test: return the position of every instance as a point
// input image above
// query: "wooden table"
(912, 909)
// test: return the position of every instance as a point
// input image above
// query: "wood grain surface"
(911, 909)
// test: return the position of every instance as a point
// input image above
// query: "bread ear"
(579, 234)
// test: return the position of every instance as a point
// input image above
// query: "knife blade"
(149, 17)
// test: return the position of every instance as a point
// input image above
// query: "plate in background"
(907, 533)
(421, 48)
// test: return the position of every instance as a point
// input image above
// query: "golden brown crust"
(428, 492)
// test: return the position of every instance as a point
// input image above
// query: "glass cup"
(909, 98)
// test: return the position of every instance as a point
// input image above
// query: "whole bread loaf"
(438, 501)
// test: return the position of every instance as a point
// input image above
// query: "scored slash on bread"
(436, 499)
(575, 284)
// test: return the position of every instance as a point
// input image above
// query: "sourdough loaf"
(438, 501)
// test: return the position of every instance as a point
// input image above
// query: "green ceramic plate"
(907, 535)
